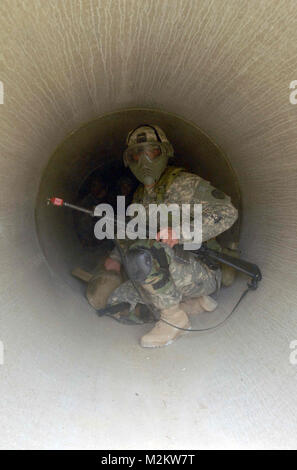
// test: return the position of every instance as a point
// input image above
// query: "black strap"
(147, 125)
(112, 309)
(160, 255)
(250, 287)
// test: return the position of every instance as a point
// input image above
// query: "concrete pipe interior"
(69, 379)
(96, 151)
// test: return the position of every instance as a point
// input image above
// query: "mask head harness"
(147, 153)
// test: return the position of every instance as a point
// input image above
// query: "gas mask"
(146, 161)
(147, 153)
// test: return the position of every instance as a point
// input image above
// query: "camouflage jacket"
(177, 186)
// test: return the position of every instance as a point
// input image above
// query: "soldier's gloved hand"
(112, 265)
(168, 236)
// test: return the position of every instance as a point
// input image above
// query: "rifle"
(210, 257)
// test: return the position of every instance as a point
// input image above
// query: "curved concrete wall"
(99, 145)
(70, 380)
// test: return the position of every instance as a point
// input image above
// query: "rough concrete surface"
(71, 380)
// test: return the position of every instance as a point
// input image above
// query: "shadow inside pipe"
(92, 156)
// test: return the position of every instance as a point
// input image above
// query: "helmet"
(147, 153)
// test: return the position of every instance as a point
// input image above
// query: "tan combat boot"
(196, 305)
(163, 334)
(208, 303)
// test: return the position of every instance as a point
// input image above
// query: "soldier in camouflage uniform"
(147, 156)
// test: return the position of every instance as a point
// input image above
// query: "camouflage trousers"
(188, 278)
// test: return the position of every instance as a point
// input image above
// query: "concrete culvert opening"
(93, 153)
(69, 379)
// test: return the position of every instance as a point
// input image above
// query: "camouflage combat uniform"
(188, 277)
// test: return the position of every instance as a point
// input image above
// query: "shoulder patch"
(218, 194)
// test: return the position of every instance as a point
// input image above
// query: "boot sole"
(208, 304)
(179, 335)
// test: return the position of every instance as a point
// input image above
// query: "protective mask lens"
(150, 151)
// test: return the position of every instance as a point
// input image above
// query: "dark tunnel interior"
(93, 153)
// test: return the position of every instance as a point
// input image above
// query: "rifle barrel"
(78, 208)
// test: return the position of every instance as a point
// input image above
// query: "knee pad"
(139, 263)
